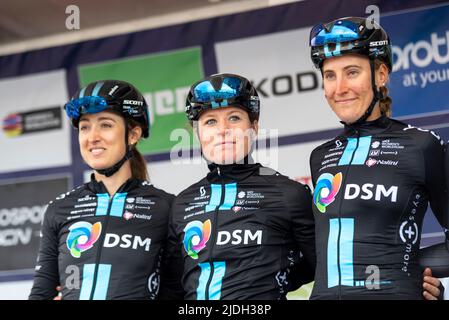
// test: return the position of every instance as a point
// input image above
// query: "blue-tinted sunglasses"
(231, 87)
(89, 104)
(342, 31)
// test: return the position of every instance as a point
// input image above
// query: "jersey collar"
(232, 172)
(99, 187)
(366, 128)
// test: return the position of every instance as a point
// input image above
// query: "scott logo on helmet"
(378, 43)
(133, 102)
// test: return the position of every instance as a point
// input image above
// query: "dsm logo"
(82, 237)
(196, 235)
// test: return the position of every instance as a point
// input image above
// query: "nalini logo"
(202, 191)
(128, 215)
(82, 237)
(196, 235)
(326, 190)
(370, 162)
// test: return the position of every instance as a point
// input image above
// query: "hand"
(431, 285)
(59, 296)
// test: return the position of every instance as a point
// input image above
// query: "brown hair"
(385, 100)
(137, 161)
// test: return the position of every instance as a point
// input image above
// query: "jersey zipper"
(97, 260)
(214, 231)
(339, 214)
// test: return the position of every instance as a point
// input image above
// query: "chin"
(222, 159)
(347, 118)
(97, 165)
(225, 160)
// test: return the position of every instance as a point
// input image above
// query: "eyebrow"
(346, 67)
(99, 119)
(227, 112)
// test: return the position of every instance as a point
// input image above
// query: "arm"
(436, 179)
(303, 224)
(46, 277)
(172, 266)
(436, 257)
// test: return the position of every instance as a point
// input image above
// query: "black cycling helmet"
(115, 95)
(352, 35)
(222, 90)
(119, 96)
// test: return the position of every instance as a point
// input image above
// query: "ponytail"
(385, 101)
(138, 163)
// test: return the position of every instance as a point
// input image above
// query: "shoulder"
(289, 187)
(195, 187)
(150, 188)
(147, 189)
(423, 137)
(335, 144)
(65, 200)
(68, 196)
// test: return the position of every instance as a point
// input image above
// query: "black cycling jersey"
(372, 187)
(99, 247)
(240, 232)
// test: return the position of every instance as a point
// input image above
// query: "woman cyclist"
(103, 239)
(237, 233)
(371, 194)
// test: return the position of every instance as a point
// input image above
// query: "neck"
(376, 114)
(114, 182)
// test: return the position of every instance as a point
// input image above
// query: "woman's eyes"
(349, 73)
(210, 122)
(329, 76)
(103, 125)
(106, 125)
(352, 73)
(232, 118)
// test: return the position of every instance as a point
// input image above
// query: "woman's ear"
(255, 126)
(382, 75)
(195, 129)
(134, 135)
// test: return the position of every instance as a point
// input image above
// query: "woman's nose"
(222, 127)
(94, 134)
(341, 86)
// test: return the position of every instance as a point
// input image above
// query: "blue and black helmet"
(115, 95)
(222, 90)
(350, 35)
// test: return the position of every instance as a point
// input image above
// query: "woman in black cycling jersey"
(103, 239)
(238, 232)
(372, 191)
